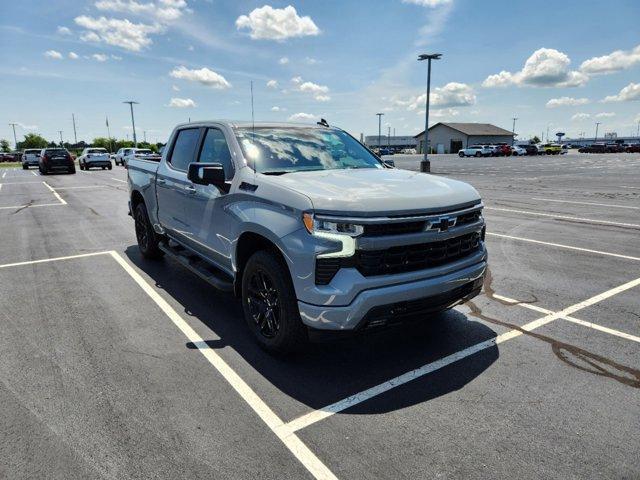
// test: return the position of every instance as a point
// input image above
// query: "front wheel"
(270, 305)
(461, 154)
(478, 154)
(109, 167)
(148, 241)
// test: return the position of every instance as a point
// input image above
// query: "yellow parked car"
(552, 148)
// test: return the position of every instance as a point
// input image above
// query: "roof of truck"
(249, 124)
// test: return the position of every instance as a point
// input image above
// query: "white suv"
(476, 151)
(123, 152)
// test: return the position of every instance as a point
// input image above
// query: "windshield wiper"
(276, 172)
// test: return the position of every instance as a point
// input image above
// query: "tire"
(268, 293)
(478, 154)
(24, 167)
(104, 168)
(148, 240)
(109, 167)
(461, 154)
(72, 170)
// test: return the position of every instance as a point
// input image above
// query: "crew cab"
(30, 158)
(476, 151)
(94, 157)
(55, 159)
(311, 230)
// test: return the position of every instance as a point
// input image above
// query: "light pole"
(596, 139)
(389, 138)
(75, 135)
(513, 131)
(15, 140)
(61, 142)
(379, 130)
(425, 165)
(133, 122)
(638, 130)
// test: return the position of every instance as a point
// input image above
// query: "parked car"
(253, 209)
(633, 148)
(550, 149)
(144, 153)
(531, 149)
(614, 148)
(56, 159)
(94, 157)
(385, 151)
(594, 148)
(503, 150)
(408, 151)
(564, 149)
(516, 150)
(476, 151)
(30, 158)
(120, 154)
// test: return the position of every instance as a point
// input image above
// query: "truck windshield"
(274, 150)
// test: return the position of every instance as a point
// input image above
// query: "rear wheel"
(147, 238)
(478, 154)
(109, 167)
(104, 168)
(270, 305)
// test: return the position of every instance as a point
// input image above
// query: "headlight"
(343, 233)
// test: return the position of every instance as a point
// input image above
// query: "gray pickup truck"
(308, 227)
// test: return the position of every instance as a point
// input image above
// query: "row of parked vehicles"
(60, 159)
(504, 150)
(610, 148)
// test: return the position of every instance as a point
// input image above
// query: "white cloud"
(120, 33)
(453, 94)
(580, 116)
(73, 55)
(566, 102)
(546, 67)
(272, 84)
(165, 12)
(313, 88)
(182, 103)
(605, 115)
(116, 57)
(322, 98)
(268, 23)
(26, 127)
(302, 117)
(296, 79)
(428, 3)
(175, 88)
(311, 61)
(204, 76)
(278, 109)
(628, 94)
(100, 57)
(442, 113)
(283, 61)
(613, 62)
(54, 54)
(63, 31)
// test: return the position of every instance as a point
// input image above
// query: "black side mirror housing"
(389, 163)
(208, 174)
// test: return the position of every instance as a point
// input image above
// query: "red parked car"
(503, 150)
(635, 148)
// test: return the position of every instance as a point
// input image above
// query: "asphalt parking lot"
(116, 367)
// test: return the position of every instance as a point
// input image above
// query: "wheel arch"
(248, 243)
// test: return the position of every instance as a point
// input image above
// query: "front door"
(208, 233)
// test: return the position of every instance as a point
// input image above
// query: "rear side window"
(184, 148)
(216, 150)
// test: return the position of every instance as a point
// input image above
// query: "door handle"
(190, 189)
(161, 181)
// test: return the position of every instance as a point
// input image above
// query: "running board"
(199, 266)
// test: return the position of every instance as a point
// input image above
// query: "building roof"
(473, 129)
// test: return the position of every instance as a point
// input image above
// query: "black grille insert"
(381, 229)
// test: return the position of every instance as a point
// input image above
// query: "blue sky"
(562, 65)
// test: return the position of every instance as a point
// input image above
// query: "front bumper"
(387, 302)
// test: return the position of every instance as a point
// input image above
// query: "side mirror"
(208, 174)
(389, 163)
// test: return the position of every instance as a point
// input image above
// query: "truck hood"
(370, 192)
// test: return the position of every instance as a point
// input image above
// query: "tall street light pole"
(61, 142)
(513, 131)
(75, 135)
(133, 122)
(15, 139)
(389, 138)
(425, 165)
(596, 139)
(379, 130)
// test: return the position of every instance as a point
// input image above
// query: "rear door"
(173, 190)
(207, 229)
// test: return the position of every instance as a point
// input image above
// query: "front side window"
(275, 150)
(216, 150)
(184, 148)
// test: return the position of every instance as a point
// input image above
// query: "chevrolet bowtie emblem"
(442, 224)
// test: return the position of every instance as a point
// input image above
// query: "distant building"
(451, 137)
(397, 142)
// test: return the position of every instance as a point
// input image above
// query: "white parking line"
(551, 215)
(568, 247)
(118, 180)
(54, 259)
(4, 174)
(585, 203)
(34, 173)
(310, 461)
(32, 206)
(57, 195)
(577, 321)
(318, 415)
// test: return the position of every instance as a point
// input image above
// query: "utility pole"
(596, 139)
(61, 142)
(547, 133)
(638, 131)
(133, 122)
(425, 165)
(379, 130)
(389, 138)
(106, 121)
(513, 131)
(144, 132)
(75, 135)
(15, 139)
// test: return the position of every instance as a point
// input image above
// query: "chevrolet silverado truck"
(308, 227)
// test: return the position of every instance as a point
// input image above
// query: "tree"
(535, 139)
(104, 142)
(123, 144)
(4, 146)
(33, 140)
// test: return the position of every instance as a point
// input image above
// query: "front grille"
(408, 258)
(381, 229)
(467, 218)
(401, 259)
